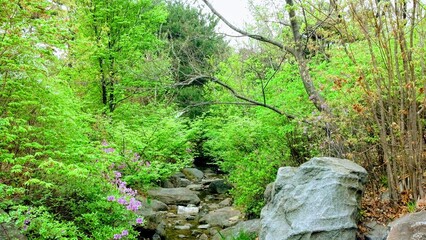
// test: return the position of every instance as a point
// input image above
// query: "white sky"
(235, 11)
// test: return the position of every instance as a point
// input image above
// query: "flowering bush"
(151, 143)
(126, 199)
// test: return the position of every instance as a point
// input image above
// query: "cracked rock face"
(318, 200)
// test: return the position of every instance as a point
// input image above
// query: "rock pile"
(190, 205)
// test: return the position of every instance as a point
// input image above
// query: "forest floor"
(375, 207)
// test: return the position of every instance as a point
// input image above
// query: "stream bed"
(198, 206)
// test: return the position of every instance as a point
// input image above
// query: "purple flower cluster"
(136, 157)
(122, 234)
(122, 185)
(107, 150)
(26, 223)
(140, 162)
(132, 204)
(122, 201)
(127, 200)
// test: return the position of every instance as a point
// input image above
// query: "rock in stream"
(197, 211)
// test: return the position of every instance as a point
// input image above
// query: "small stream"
(193, 221)
(187, 226)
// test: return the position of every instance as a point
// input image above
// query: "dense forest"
(101, 100)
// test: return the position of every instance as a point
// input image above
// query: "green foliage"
(411, 206)
(39, 223)
(52, 170)
(152, 142)
(251, 151)
(245, 236)
(251, 143)
(195, 49)
(192, 39)
(121, 33)
(240, 236)
(85, 96)
(384, 181)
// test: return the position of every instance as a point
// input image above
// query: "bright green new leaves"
(152, 141)
(120, 31)
(250, 149)
(51, 168)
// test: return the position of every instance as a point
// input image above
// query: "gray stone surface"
(224, 217)
(161, 229)
(319, 200)
(156, 237)
(376, 231)
(195, 187)
(176, 181)
(204, 226)
(219, 186)
(182, 210)
(183, 227)
(206, 182)
(153, 212)
(193, 174)
(174, 196)
(268, 193)
(409, 227)
(213, 206)
(249, 227)
(151, 219)
(203, 237)
(152, 204)
(226, 202)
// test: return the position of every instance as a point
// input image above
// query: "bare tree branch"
(250, 35)
(279, 22)
(297, 52)
(218, 103)
(237, 95)
(229, 35)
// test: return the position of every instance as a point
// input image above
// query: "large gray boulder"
(410, 227)
(174, 196)
(319, 200)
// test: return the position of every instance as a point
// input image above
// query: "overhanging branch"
(237, 95)
(218, 103)
(245, 33)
